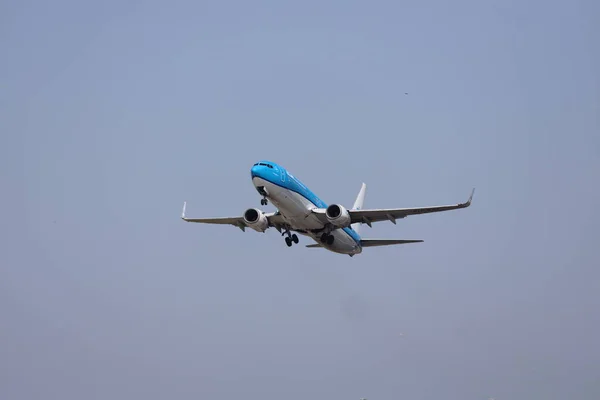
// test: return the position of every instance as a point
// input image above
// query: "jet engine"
(256, 219)
(338, 216)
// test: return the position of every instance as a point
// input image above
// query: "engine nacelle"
(338, 216)
(256, 219)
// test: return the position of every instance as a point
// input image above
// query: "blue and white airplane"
(333, 227)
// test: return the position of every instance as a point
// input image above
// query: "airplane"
(333, 227)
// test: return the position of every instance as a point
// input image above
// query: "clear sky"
(113, 113)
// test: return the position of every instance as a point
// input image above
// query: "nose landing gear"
(263, 192)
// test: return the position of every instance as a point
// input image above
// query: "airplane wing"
(392, 214)
(275, 220)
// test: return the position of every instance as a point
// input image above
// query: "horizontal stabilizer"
(385, 242)
(373, 242)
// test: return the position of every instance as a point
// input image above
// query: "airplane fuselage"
(295, 202)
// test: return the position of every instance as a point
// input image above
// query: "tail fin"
(358, 204)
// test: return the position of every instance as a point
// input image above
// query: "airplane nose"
(255, 171)
(262, 170)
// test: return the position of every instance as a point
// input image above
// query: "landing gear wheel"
(324, 238)
(288, 241)
(264, 202)
(330, 240)
(295, 238)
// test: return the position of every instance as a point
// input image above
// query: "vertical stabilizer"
(358, 204)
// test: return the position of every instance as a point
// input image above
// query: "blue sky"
(112, 114)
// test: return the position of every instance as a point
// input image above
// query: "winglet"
(183, 211)
(468, 203)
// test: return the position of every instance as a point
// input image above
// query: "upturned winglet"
(471, 197)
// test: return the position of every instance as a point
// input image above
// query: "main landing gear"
(264, 201)
(290, 238)
(327, 238)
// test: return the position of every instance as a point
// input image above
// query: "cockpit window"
(265, 165)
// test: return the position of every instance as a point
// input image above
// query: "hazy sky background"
(113, 113)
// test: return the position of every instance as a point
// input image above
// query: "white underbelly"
(296, 210)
